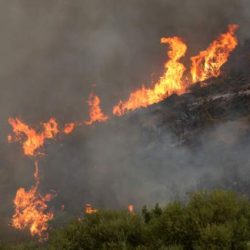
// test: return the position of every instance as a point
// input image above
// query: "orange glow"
(95, 112)
(69, 127)
(50, 129)
(131, 208)
(30, 209)
(170, 82)
(32, 140)
(89, 209)
(208, 62)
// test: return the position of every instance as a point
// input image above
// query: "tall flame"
(30, 209)
(95, 112)
(169, 83)
(208, 62)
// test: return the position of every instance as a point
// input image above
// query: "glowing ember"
(95, 112)
(169, 83)
(30, 209)
(89, 209)
(69, 127)
(30, 139)
(131, 208)
(208, 63)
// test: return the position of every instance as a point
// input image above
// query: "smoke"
(54, 53)
(138, 160)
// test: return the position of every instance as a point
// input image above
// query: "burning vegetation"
(32, 140)
(204, 66)
(69, 127)
(95, 112)
(30, 206)
(31, 209)
(208, 63)
(89, 209)
(169, 83)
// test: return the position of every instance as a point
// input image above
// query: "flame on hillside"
(31, 206)
(31, 209)
(32, 140)
(205, 65)
(169, 83)
(69, 127)
(208, 62)
(95, 112)
(89, 209)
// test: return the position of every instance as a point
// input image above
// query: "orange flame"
(30, 209)
(89, 209)
(169, 83)
(31, 206)
(208, 63)
(131, 209)
(69, 127)
(33, 140)
(95, 112)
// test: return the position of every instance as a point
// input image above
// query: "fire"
(69, 127)
(30, 209)
(208, 63)
(169, 83)
(31, 139)
(131, 209)
(205, 65)
(89, 209)
(30, 206)
(95, 112)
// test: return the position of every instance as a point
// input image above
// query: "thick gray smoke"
(54, 53)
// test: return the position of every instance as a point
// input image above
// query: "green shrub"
(209, 220)
(102, 230)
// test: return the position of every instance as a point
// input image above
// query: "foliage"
(102, 230)
(30, 245)
(209, 220)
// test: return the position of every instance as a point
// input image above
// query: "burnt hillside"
(217, 100)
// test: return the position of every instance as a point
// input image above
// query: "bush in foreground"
(209, 220)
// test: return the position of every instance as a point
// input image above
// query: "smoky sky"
(54, 53)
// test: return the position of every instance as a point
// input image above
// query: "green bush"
(218, 219)
(102, 230)
(209, 220)
(30, 245)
